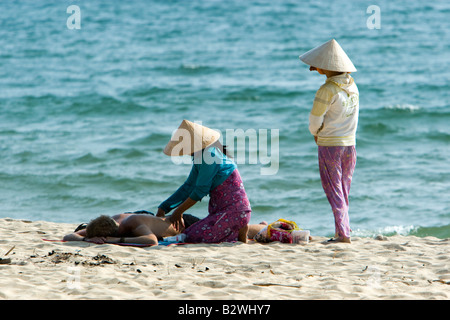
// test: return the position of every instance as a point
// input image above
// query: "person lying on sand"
(136, 228)
(128, 228)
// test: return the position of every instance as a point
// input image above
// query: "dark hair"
(222, 148)
(102, 226)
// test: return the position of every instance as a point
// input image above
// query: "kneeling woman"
(213, 173)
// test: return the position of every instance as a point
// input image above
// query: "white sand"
(398, 267)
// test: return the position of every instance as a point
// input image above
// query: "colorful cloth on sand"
(280, 230)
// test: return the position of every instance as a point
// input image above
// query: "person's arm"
(145, 239)
(322, 102)
(76, 236)
(161, 212)
(177, 216)
(81, 236)
(205, 176)
(179, 196)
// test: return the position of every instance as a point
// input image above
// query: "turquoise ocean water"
(85, 113)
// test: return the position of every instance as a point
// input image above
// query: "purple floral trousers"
(229, 211)
(336, 165)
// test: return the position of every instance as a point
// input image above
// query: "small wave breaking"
(441, 232)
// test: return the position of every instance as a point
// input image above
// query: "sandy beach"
(397, 267)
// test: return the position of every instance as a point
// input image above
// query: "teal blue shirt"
(209, 170)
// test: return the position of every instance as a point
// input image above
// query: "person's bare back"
(137, 224)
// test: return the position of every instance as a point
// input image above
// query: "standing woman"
(213, 173)
(333, 121)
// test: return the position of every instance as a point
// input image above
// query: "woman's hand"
(161, 213)
(177, 221)
(177, 216)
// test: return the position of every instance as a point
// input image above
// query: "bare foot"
(339, 239)
(345, 240)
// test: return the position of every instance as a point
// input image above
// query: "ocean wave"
(189, 69)
(152, 139)
(437, 135)
(95, 104)
(386, 231)
(263, 209)
(409, 121)
(87, 158)
(378, 128)
(127, 153)
(197, 69)
(441, 232)
(145, 92)
(407, 110)
(403, 107)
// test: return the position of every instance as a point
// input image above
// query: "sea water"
(86, 109)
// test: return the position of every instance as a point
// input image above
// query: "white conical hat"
(190, 137)
(329, 56)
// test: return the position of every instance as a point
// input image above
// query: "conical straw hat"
(189, 138)
(329, 56)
